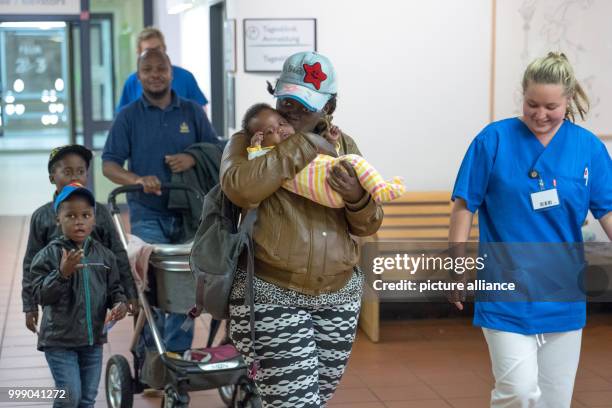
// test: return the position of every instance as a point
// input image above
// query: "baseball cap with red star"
(309, 78)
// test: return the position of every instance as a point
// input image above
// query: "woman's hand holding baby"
(344, 181)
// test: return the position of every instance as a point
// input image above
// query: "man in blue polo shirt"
(151, 134)
(183, 81)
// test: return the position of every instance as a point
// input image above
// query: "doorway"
(217, 16)
(35, 89)
(41, 82)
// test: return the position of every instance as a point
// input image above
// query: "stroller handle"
(135, 188)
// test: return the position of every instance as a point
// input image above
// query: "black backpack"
(220, 242)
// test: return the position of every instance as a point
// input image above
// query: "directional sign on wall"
(268, 42)
(40, 7)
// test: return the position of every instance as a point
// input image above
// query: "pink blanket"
(139, 253)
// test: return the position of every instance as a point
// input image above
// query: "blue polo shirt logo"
(184, 128)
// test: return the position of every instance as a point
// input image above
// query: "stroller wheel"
(119, 392)
(171, 399)
(245, 395)
(226, 393)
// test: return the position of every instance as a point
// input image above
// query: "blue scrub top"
(494, 179)
(183, 83)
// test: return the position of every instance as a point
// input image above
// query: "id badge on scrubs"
(545, 199)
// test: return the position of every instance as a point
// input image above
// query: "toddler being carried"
(267, 128)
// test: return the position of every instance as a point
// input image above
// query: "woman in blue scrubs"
(533, 179)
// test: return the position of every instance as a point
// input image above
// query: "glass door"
(35, 94)
(101, 93)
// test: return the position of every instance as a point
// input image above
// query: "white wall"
(413, 77)
(195, 46)
(188, 40)
(170, 25)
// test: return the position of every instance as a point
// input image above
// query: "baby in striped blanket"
(267, 128)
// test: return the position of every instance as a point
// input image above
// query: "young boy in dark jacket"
(68, 164)
(75, 279)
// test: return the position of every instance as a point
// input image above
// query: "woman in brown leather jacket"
(307, 287)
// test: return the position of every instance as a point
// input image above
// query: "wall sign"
(40, 7)
(268, 42)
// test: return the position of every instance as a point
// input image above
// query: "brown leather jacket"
(299, 244)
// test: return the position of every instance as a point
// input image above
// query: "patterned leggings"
(302, 349)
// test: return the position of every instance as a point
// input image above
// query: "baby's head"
(263, 118)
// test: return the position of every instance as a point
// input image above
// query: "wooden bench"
(417, 217)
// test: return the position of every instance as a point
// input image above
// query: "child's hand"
(257, 139)
(71, 262)
(132, 306)
(333, 135)
(31, 320)
(118, 311)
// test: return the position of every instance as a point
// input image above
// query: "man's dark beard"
(157, 94)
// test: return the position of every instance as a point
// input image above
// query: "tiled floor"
(418, 364)
(25, 182)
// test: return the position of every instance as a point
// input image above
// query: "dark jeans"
(164, 230)
(161, 230)
(76, 370)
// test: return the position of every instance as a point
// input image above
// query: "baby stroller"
(171, 288)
